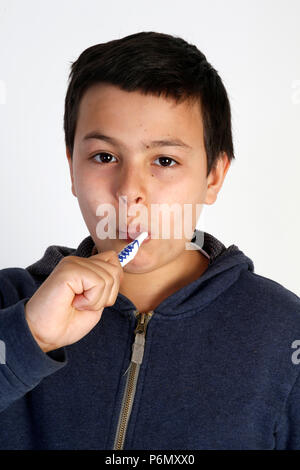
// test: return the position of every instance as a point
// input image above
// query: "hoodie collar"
(225, 266)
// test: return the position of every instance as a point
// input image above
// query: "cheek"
(176, 217)
(92, 198)
(190, 191)
(90, 190)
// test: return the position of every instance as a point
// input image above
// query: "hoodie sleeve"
(23, 364)
(288, 429)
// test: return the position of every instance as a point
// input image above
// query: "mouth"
(129, 238)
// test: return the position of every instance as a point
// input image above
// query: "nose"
(131, 186)
(131, 190)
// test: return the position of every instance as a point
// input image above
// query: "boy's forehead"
(108, 95)
(107, 106)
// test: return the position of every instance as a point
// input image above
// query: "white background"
(255, 47)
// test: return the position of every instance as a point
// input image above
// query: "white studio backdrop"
(253, 44)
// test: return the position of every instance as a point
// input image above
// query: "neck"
(148, 290)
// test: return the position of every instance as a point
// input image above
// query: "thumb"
(110, 256)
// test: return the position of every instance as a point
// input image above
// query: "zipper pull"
(138, 348)
(139, 341)
(140, 327)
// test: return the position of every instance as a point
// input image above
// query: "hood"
(225, 266)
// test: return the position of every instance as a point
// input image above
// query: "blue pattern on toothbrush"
(129, 252)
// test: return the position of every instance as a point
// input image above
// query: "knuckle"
(67, 259)
(111, 301)
(109, 282)
(101, 283)
(114, 255)
(112, 252)
(115, 270)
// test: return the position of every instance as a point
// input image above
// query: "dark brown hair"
(158, 64)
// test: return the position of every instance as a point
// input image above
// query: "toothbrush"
(130, 250)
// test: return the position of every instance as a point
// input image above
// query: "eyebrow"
(152, 144)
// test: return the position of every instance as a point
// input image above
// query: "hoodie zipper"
(134, 368)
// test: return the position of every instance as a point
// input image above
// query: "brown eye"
(104, 157)
(165, 161)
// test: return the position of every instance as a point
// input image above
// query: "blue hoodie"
(214, 366)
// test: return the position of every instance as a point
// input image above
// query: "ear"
(68, 153)
(216, 178)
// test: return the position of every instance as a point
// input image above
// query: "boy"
(180, 349)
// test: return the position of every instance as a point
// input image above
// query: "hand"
(71, 300)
